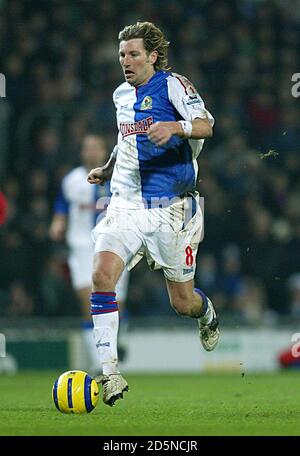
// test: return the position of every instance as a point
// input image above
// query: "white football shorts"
(167, 236)
(81, 266)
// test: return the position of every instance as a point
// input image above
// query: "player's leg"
(114, 248)
(80, 264)
(87, 327)
(174, 248)
(121, 291)
(84, 297)
(192, 302)
(104, 309)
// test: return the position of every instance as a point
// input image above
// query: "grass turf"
(157, 405)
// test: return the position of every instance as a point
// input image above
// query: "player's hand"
(58, 228)
(102, 174)
(97, 176)
(160, 133)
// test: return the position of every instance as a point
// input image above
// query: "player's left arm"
(161, 132)
(196, 123)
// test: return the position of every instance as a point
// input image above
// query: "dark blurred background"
(61, 67)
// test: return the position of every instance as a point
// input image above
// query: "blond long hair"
(154, 40)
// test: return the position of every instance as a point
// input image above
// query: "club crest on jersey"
(135, 128)
(146, 103)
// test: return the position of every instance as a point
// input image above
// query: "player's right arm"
(102, 174)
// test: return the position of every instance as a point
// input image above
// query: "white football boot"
(113, 387)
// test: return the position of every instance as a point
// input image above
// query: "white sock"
(209, 314)
(207, 304)
(123, 327)
(106, 328)
(88, 335)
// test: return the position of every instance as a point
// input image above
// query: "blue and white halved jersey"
(144, 171)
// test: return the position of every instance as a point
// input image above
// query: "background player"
(162, 125)
(74, 217)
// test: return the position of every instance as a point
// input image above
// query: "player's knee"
(103, 280)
